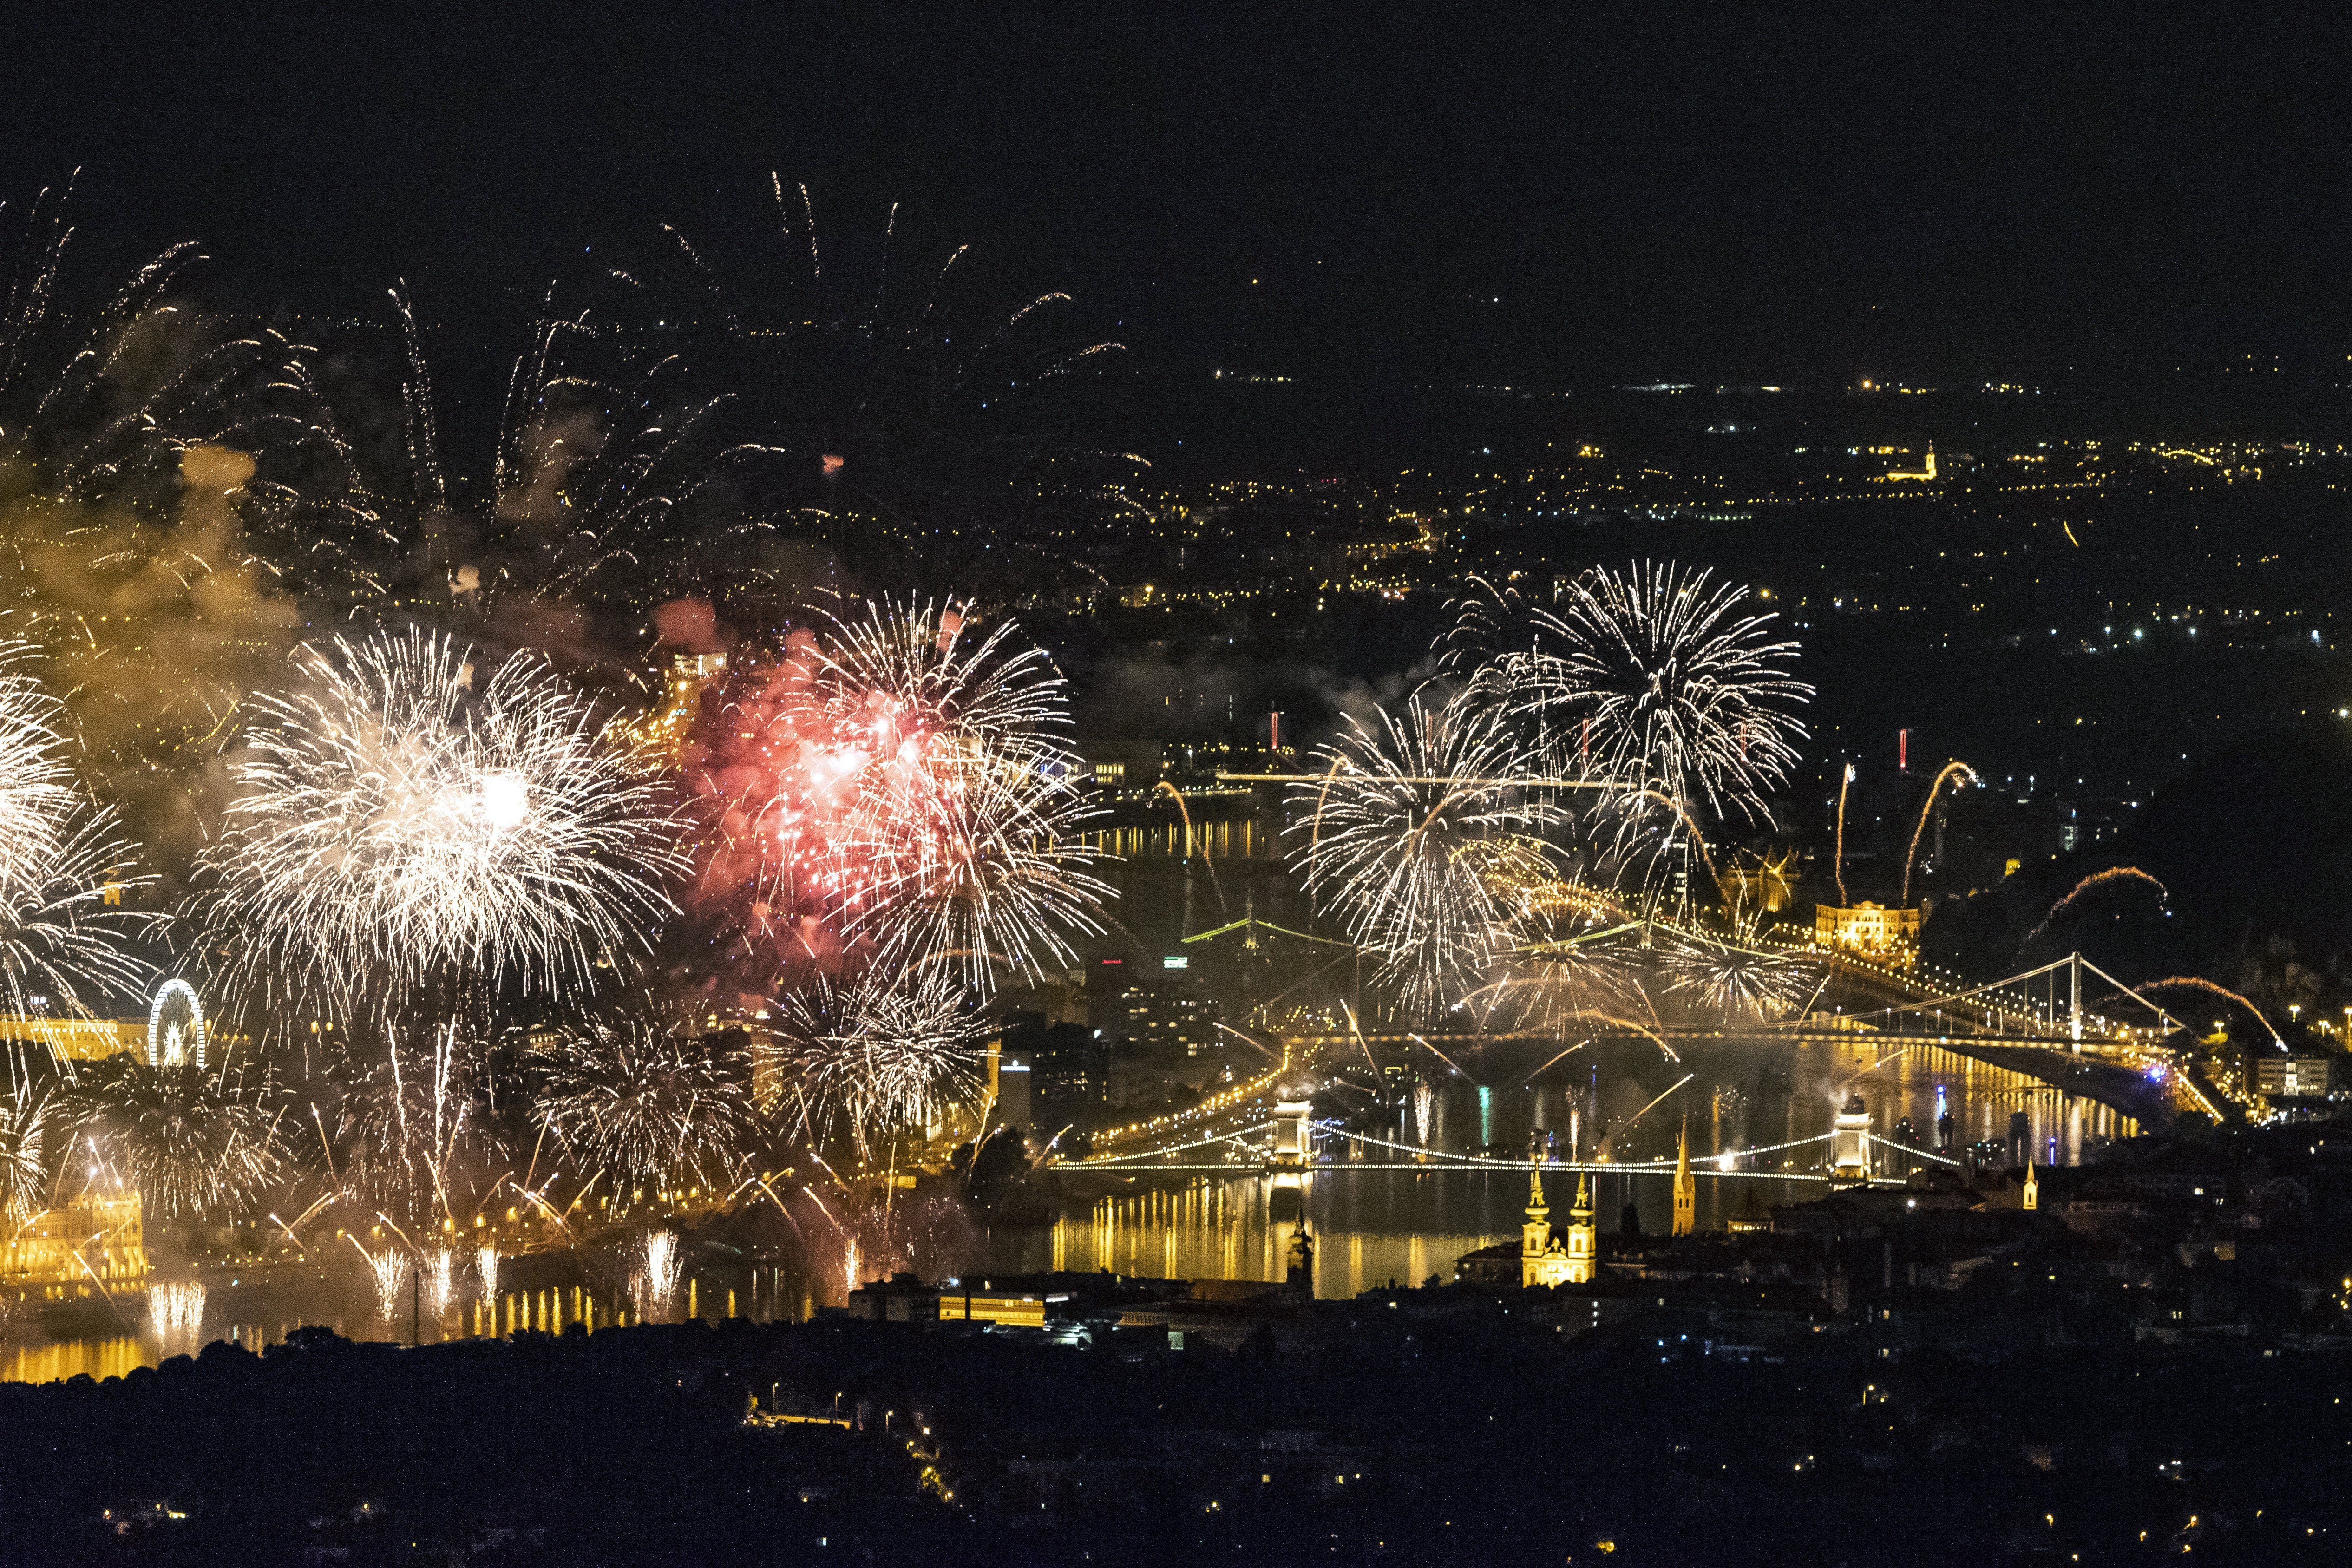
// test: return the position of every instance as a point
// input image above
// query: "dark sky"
(1553, 193)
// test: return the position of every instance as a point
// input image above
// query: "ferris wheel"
(176, 1026)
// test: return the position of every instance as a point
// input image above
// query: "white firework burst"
(26, 1114)
(63, 930)
(1661, 683)
(1420, 837)
(409, 817)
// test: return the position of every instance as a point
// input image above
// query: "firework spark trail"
(1418, 834)
(2092, 883)
(1845, 782)
(901, 790)
(2198, 983)
(389, 1271)
(417, 1123)
(643, 1097)
(1423, 1116)
(870, 1056)
(1952, 770)
(175, 1307)
(486, 1267)
(402, 818)
(441, 1278)
(61, 930)
(1216, 886)
(652, 1283)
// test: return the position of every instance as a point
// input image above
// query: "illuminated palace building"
(95, 1240)
(1872, 930)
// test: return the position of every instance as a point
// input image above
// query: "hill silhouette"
(2254, 845)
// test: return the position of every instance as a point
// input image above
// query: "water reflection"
(103, 1338)
(1376, 1225)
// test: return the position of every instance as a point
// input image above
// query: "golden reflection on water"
(28, 1356)
(1373, 1225)
(99, 1358)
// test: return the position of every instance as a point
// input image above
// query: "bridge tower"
(1686, 1187)
(1293, 1139)
(2074, 997)
(1850, 1142)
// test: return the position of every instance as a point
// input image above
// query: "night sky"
(1554, 195)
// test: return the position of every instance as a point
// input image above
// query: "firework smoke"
(401, 822)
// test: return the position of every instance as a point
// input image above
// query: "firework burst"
(62, 929)
(900, 791)
(872, 1056)
(26, 1126)
(193, 1141)
(1735, 978)
(1657, 680)
(646, 1101)
(1416, 837)
(403, 820)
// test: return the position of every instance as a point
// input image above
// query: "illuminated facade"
(99, 1237)
(80, 1039)
(1549, 1259)
(1872, 930)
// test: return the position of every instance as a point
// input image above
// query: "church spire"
(1583, 1238)
(1686, 1187)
